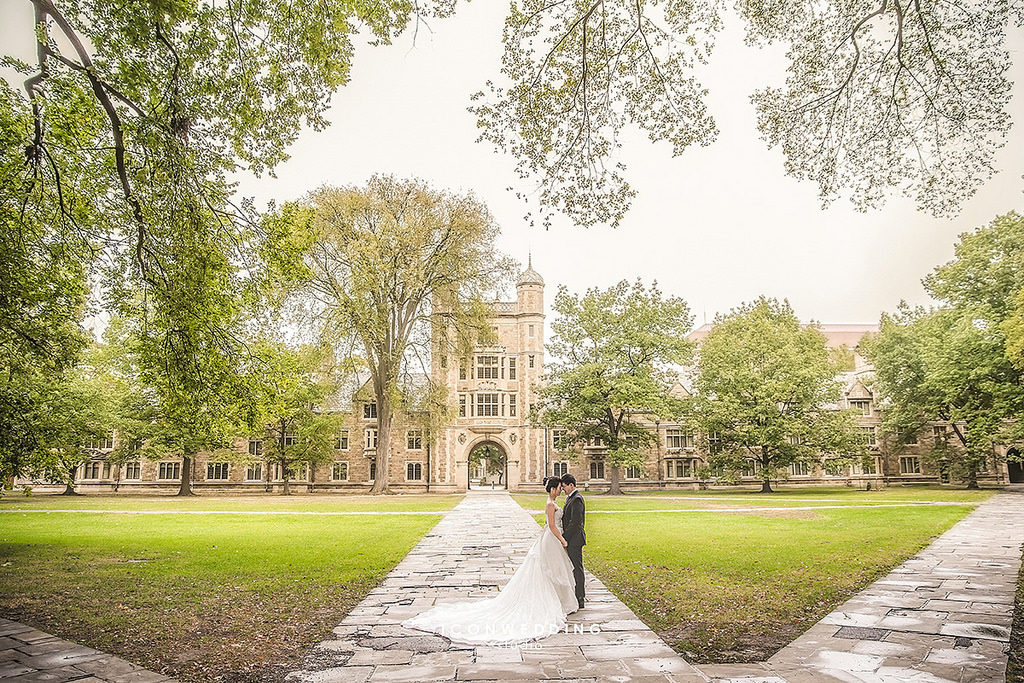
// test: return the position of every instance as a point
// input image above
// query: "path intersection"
(944, 615)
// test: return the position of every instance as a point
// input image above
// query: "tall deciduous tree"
(612, 355)
(295, 387)
(880, 95)
(766, 392)
(959, 362)
(403, 269)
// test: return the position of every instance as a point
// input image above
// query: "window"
(794, 440)
(254, 472)
(486, 405)
(530, 330)
(217, 470)
(370, 439)
(632, 472)
(833, 468)
(91, 470)
(904, 437)
(940, 432)
(462, 368)
(414, 440)
(677, 469)
(559, 469)
(631, 440)
(530, 362)
(867, 436)
(862, 405)
(462, 405)
(413, 471)
(511, 368)
(560, 439)
(133, 470)
(256, 448)
(169, 470)
(750, 469)
(340, 471)
(373, 470)
(487, 367)
(866, 466)
(714, 443)
(296, 472)
(910, 465)
(341, 443)
(597, 469)
(106, 470)
(290, 439)
(678, 439)
(800, 469)
(105, 443)
(512, 405)
(369, 411)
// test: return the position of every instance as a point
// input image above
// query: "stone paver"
(471, 553)
(944, 615)
(27, 654)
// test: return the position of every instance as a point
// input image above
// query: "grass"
(297, 503)
(226, 597)
(731, 581)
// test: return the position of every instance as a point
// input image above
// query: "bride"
(532, 605)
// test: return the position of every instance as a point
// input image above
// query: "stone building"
(491, 394)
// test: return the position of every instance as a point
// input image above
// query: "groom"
(573, 513)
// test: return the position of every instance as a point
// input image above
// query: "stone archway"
(1014, 466)
(487, 463)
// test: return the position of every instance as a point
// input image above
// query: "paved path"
(944, 615)
(30, 655)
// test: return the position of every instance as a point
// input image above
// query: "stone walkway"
(944, 615)
(30, 655)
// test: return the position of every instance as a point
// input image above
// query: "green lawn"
(295, 503)
(736, 576)
(202, 597)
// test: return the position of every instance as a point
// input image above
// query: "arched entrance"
(488, 466)
(1014, 466)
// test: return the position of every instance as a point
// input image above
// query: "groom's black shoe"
(581, 603)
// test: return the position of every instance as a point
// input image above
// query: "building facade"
(492, 393)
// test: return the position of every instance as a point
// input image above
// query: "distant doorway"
(1014, 466)
(488, 466)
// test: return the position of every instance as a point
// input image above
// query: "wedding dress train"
(532, 605)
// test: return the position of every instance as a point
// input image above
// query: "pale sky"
(718, 226)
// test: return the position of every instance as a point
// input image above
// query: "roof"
(836, 334)
(530, 276)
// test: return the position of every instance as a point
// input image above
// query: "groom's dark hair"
(568, 479)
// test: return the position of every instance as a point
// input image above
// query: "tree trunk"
(766, 486)
(614, 482)
(69, 488)
(384, 419)
(186, 477)
(287, 490)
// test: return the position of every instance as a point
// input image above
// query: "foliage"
(955, 363)
(879, 95)
(491, 456)
(766, 393)
(612, 358)
(295, 386)
(396, 269)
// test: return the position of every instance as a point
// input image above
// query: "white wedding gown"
(532, 605)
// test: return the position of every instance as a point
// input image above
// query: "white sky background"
(718, 226)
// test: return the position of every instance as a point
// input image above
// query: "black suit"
(575, 535)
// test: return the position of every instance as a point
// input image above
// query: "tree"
(491, 457)
(296, 385)
(401, 269)
(613, 354)
(880, 95)
(765, 389)
(958, 362)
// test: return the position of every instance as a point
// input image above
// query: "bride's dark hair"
(551, 482)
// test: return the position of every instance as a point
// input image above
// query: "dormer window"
(369, 411)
